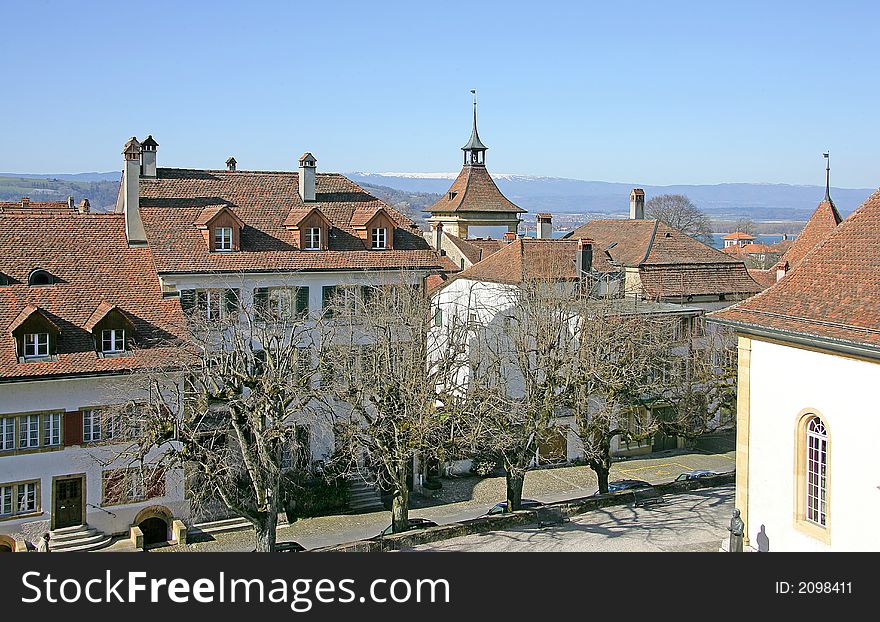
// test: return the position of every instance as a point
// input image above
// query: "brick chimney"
(25, 201)
(129, 198)
(584, 257)
(230, 164)
(637, 204)
(437, 230)
(84, 206)
(307, 167)
(148, 157)
(509, 236)
(545, 226)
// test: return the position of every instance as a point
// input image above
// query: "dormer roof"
(27, 313)
(104, 309)
(296, 216)
(361, 218)
(207, 215)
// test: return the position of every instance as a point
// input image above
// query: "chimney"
(230, 164)
(637, 204)
(545, 226)
(584, 257)
(148, 157)
(25, 201)
(84, 206)
(509, 236)
(437, 228)
(781, 270)
(307, 166)
(70, 202)
(130, 195)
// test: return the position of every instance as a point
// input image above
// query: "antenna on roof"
(827, 156)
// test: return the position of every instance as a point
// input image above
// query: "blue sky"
(642, 92)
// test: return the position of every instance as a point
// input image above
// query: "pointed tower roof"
(821, 223)
(474, 144)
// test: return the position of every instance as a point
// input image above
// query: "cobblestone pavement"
(468, 497)
(696, 521)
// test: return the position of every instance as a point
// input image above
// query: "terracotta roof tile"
(834, 293)
(821, 223)
(266, 202)
(474, 190)
(91, 261)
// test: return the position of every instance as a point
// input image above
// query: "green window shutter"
(302, 301)
(188, 300)
(231, 298)
(438, 317)
(261, 302)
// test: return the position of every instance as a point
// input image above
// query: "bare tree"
(392, 378)
(746, 225)
(231, 407)
(679, 212)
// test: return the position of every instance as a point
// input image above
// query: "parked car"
(626, 484)
(287, 547)
(414, 523)
(501, 508)
(695, 474)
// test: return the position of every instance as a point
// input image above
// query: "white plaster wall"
(784, 382)
(88, 459)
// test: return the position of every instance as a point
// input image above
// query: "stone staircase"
(79, 538)
(362, 497)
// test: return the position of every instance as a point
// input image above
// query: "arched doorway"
(7, 544)
(154, 523)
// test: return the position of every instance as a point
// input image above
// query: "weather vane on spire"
(827, 156)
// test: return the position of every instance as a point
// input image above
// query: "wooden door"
(68, 502)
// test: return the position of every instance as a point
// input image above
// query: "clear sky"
(644, 92)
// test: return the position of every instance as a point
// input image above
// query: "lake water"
(718, 241)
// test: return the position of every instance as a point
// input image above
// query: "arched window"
(40, 277)
(817, 472)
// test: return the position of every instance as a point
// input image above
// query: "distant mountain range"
(574, 196)
(412, 192)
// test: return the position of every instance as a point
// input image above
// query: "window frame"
(35, 340)
(802, 521)
(115, 348)
(312, 239)
(221, 244)
(379, 238)
(11, 495)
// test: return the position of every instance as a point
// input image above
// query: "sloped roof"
(26, 313)
(209, 213)
(264, 201)
(89, 256)
(103, 310)
(764, 278)
(524, 259)
(821, 223)
(832, 295)
(670, 263)
(474, 190)
(738, 235)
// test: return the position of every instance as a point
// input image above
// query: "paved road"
(695, 521)
(466, 498)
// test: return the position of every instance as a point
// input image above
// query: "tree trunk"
(515, 481)
(602, 475)
(400, 509)
(264, 532)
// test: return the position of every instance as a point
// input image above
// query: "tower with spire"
(474, 199)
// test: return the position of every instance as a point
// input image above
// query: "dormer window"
(40, 278)
(36, 345)
(380, 238)
(313, 239)
(223, 239)
(113, 340)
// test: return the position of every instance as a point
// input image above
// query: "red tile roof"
(265, 202)
(821, 223)
(671, 264)
(833, 294)
(738, 235)
(93, 266)
(474, 190)
(525, 259)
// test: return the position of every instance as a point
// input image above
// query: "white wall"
(784, 382)
(89, 459)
